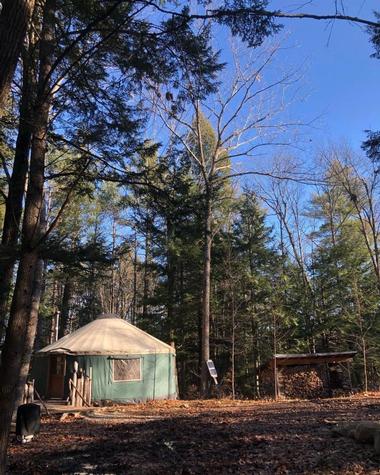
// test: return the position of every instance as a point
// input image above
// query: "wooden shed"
(307, 375)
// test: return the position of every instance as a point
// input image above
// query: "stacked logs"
(302, 382)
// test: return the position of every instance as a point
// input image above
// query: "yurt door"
(57, 371)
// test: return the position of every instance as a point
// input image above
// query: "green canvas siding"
(157, 373)
(98, 345)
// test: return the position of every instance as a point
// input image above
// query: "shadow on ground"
(272, 438)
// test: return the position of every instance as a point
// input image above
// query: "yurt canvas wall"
(127, 363)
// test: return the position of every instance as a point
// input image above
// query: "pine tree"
(342, 274)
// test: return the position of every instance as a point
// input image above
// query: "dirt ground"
(203, 437)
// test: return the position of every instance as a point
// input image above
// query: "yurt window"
(127, 370)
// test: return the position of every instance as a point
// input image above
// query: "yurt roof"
(107, 335)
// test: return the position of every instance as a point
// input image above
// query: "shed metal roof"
(311, 358)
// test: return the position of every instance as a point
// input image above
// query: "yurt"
(126, 364)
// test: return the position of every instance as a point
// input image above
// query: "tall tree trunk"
(41, 339)
(275, 369)
(206, 293)
(233, 345)
(14, 203)
(112, 296)
(65, 307)
(365, 372)
(30, 331)
(146, 271)
(170, 273)
(254, 357)
(33, 319)
(134, 297)
(21, 308)
(14, 20)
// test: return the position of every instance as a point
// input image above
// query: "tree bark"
(146, 270)
(30, 331)
(38, 284)
(14, 203)
(65, 307)
(21, 308)
(40, 339)
(206, 292)
(11, 358)
(14, 20)
(170, 273)
(134, 298)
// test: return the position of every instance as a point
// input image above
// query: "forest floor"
(203, 437)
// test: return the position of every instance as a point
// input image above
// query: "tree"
(14, 18)
(239, 131)
(66, 76)
(21, 309)
(246, 267)
(372, 144)
(341, 266)
(361, 188)
(14, 198)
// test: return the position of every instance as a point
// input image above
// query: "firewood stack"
(301, 382)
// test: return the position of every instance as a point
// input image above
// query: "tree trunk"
(14, 203)
(170, 273)
(134, 298)
(38, 284)
(206, 292)
(275, 369)
(41, 338)
(30, 331)
(65, 307)
(14, 20)
(112, 296)
(11, 358)
(233, 349)
(254, 353)
(21, 308)
(146, 271)
(365, 372)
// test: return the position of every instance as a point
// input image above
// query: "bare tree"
(358, 177)
(243, 118)
(285, 200)
(254, 12)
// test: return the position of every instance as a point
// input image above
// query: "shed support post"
(349, 374)
(275, 369)
(327, 369)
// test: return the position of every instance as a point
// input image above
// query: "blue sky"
(342, 81)
(339, 89)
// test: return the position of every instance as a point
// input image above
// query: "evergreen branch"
(64, 204)
(80, 37)
(225, 13)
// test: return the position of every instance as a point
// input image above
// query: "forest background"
(294, 221)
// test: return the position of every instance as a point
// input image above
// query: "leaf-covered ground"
(203, 437)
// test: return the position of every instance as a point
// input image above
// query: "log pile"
(305, 380)
(302, 381)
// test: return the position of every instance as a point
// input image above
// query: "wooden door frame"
(55, 355)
